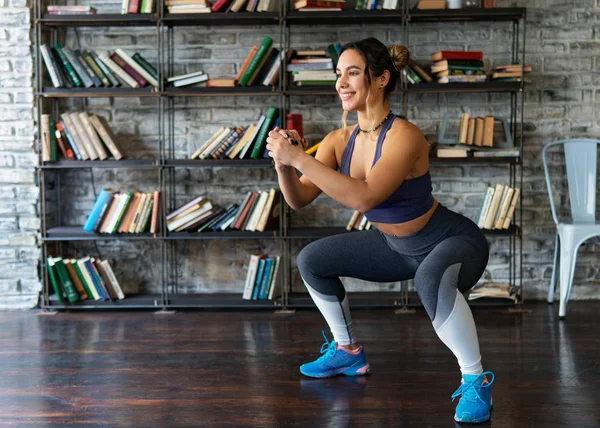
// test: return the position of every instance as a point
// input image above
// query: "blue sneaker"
(336, 361)
(476, 402)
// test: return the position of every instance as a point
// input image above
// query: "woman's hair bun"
(399, 55)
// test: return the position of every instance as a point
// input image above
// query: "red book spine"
(133, 6)
(322, 3)
(218, 5)
(64, 148)
(294, 121)
(240, 221)
(121, 63)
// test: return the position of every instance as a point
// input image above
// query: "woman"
(383, 165)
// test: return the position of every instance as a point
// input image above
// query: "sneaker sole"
(468, 420)
(348, 371)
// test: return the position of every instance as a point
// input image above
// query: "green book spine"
(53, 143)
(315, 83)
(82, 279)
(122, 212)
(65, 61)
(90, 61)
(54, 281)
(146, 219)
(262, 51)
(67, 284)
(261, 138)
(143, 6)
(145, 65)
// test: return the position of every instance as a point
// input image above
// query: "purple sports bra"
(411, 200)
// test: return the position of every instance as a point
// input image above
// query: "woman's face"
(351, 83)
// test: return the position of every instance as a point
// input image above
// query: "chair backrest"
(580, 162)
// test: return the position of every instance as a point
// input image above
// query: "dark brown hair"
(378, 58)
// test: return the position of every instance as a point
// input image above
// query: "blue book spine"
(262, 294)
(96, 210)
(98, 285)
(103, 210)
(259, 275)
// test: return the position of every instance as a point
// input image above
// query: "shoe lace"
(328, 348)
(470, 390)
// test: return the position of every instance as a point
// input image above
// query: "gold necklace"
(366, 131)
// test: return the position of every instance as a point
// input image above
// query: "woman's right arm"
(300, 191)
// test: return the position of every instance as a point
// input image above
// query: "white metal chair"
(580, 161)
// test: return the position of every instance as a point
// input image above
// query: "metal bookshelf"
(48, 28)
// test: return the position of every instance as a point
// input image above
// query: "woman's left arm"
(400, 152)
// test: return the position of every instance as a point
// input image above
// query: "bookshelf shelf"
(212, 92)
(49, 92)
(465, 87)
(221, 18)
(138, 301)
(77, 164)
(345, 17)
(211, 163)
(220, 300)
(98, 20)
(233, 234)
(472, 159)
(51, 27)
(467, 14)
(76, 233)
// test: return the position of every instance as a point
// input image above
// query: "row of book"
(261, 279)
(131, 212)
(461, 66)
(80, 279)
(78, 135)
(257, 212)
(498, 207)
(262, 65)
(74, 68)
(71, 10)
(240, 142)
(137, 6)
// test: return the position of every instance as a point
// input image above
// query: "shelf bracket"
(46, 312)
(285, 312)
(165, 312)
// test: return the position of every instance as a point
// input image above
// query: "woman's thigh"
(363, 255)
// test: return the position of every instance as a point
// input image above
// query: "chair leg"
(568, 258)
(552, 288)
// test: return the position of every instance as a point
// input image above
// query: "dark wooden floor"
(240, 369)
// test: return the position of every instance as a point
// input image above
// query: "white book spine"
(491, 215)
(248, 287)
(113, 279)
(91, 132)
(137, 67)
(83, 136)
(122, 74)
(108, 141)
(485, 206)
(66, 117)
(49, 66)
(257, 211)
(45, 131)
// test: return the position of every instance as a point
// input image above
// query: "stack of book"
(250, 5)
(238, 141)
(74, 68)
(137, 6)
(131, 212)
(196, 78)
(78, 135)
(359, 221)
(492, 290)
(71, 10)
(258, 211)
(187, 6)
(80, 279)
(458, 66)
(498, 207)
(510, 73)
(261, 279)
(309, 68)
(261, 66)
(318, 5)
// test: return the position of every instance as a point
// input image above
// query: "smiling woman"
(380, 167)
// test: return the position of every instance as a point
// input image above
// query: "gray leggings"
(450, 252)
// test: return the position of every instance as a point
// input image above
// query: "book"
(258, 56)
(261, 138)
(461, 55)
